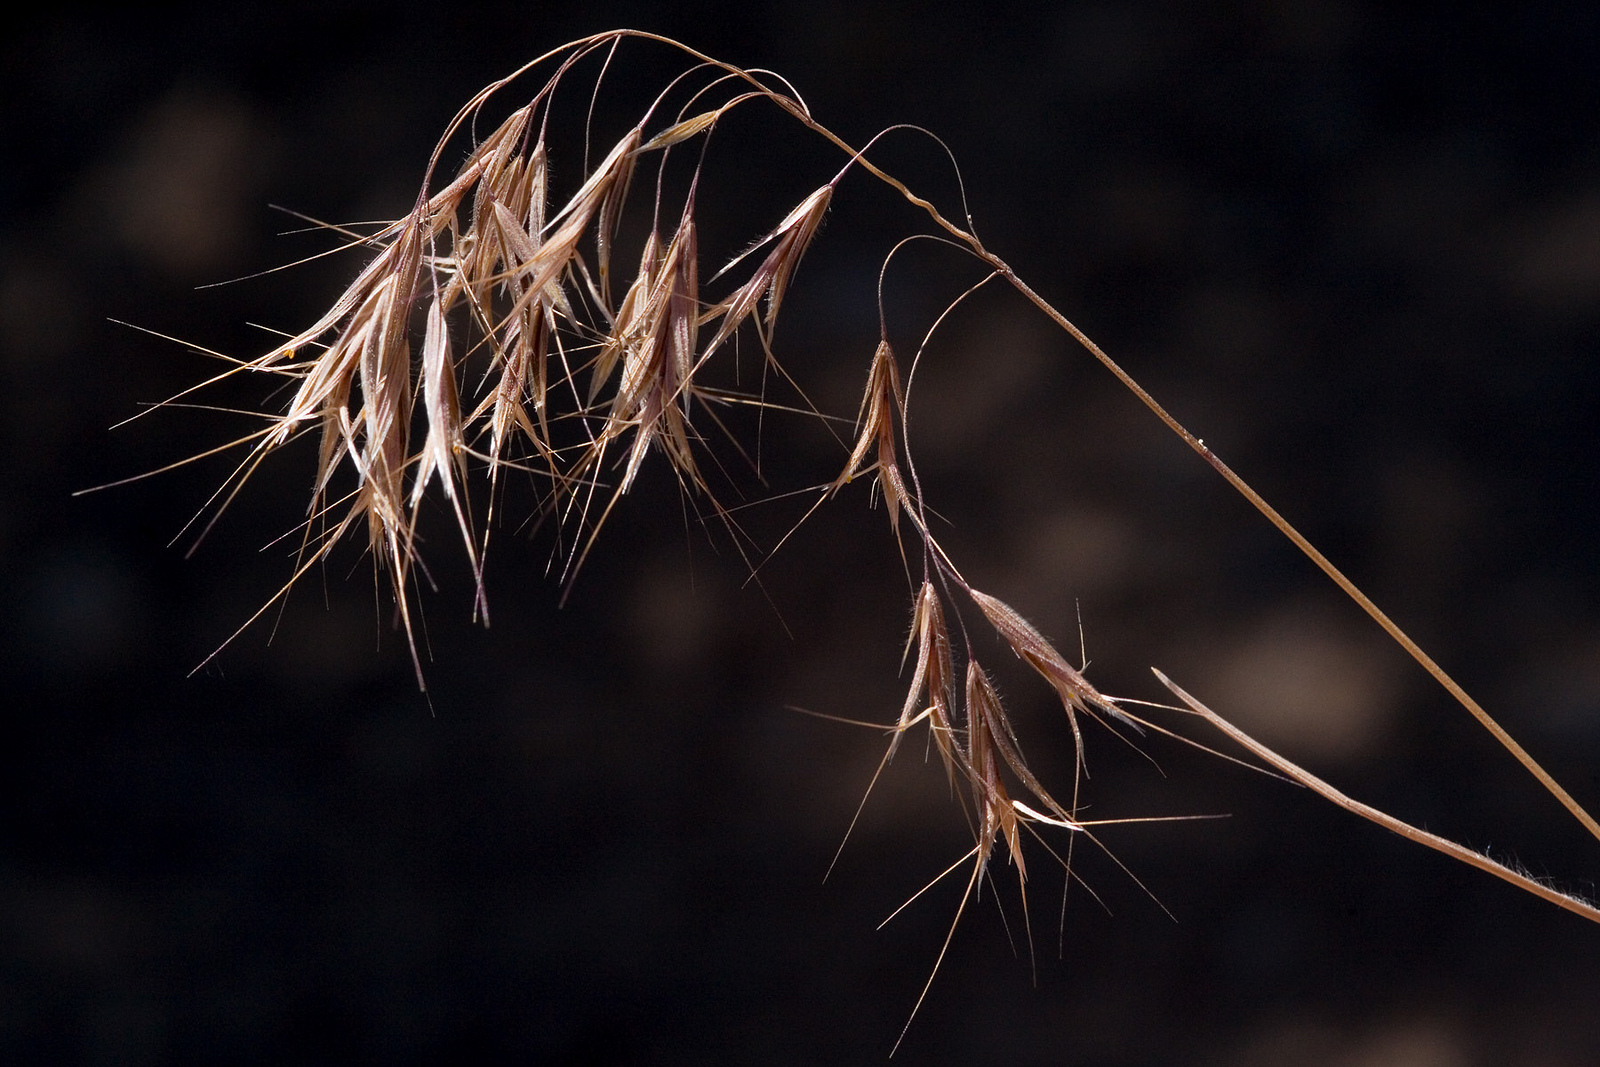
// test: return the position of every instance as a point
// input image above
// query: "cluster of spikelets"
(584, 372)
(582, 386)
(487, 245)
(578, 386)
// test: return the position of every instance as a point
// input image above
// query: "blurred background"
(1358, 252)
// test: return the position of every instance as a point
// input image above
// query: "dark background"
(1358, 252)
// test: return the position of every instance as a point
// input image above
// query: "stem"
(1389, 625)
(1389, 822)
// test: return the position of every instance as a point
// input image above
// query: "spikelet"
(658, 366)
(988, 737)
(629, 325)
(474, 251)
(484, 161)
(386, 369)
(932, 680)
(442, 451)
(525, 336)
(683, 310)
(1030, 645)
(612, 192)
(600, 194)
(326, 381)
(771, 279)
(682, 131)
(882, 400)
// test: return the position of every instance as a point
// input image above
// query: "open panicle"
(580, 390)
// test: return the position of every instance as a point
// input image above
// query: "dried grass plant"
(499, 328)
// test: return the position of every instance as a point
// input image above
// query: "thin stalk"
(1388, 822)
(1287, 529)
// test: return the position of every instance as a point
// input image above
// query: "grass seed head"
(521, 273)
